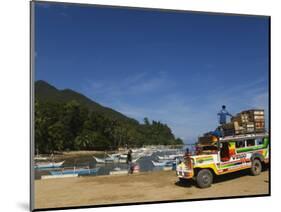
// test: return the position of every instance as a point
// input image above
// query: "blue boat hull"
(76, 171)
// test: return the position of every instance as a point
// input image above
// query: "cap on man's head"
(223, 107)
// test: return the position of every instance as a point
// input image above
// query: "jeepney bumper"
(184, 173)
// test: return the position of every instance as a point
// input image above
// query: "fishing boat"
(48, 165)
(117, 157)
(123, 156)
(163, 163)
(114, 155)
(38, 157)
(79, 171)
(114, 160)
(167, 168)
(125, 160)
(148, 153)
(118, 171)
(159, 163)
(45, 177)
(170, 157)
(104, 160)
(165, 157)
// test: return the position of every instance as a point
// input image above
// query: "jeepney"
(225, 155)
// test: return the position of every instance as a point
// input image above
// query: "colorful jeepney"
(225, 155)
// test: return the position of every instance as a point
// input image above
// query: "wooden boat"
(38, 157)
(167, 168)
(165, 157)
(113, 160)
(148, 153)
(163, 163)
(104, 160)
(159, 163)
(48, 165)
(45, 177)
(79, 171)
(169, 157)
(114, 155)
(123, 156)
(118, 171)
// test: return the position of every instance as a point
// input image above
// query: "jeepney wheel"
(256, 167)
(204, 178)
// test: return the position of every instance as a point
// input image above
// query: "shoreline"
(141, 187)
(77, 153)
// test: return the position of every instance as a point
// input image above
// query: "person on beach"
(187, 152)
(129, 162)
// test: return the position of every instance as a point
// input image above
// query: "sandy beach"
(142, 187)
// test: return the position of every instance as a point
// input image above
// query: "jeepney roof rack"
(242, 136)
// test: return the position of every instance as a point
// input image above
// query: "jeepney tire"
(204, 178)
(256, 167)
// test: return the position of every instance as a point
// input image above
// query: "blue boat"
(48, 165)
(79, 171)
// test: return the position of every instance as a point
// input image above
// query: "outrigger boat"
(168, 157)
(38, 157)
(48, 165)
(44, 177)
(159, 163)
(163, 163)
(113, 160)
(118, 171)
(79, 171)
(104, 160)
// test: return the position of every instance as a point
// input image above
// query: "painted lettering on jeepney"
(239, 156)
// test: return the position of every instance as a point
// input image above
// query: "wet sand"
(142, 187)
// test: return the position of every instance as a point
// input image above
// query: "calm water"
(144, 163)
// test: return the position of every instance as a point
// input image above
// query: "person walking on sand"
(187, 152)
(129, 162)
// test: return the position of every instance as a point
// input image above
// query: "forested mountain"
(48, 93)
(67, 120)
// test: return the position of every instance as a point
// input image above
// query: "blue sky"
(175, 67)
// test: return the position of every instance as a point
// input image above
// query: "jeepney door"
(227, 153)
(224, 151)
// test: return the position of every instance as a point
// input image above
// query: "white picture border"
(15, 99)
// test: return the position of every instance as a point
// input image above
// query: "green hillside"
(68, 120)
(48, 93)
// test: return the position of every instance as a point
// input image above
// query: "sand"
(142, 187)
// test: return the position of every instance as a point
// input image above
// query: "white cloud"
(188, 115)
(138, 84)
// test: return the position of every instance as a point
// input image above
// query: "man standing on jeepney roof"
(222, 115)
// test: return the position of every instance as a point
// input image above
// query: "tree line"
(72, 126)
